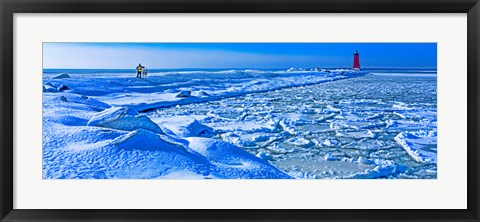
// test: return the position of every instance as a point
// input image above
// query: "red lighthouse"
(356, 60)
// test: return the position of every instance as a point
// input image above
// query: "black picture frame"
(9, 7)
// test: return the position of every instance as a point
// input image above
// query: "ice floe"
(420, 145)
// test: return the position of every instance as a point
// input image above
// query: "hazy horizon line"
(256, 68)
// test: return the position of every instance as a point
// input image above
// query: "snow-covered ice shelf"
(167, 89)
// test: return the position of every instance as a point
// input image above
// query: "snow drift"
(87, 139)
(123, 118)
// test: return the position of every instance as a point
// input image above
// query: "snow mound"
(123, 118)
(184, 94)
(49, 88)
(140, 154)
(93, 103)
(186, 126)
(146, 140)
(202, 94)
(234, 162)
(63, 88)
(61, 76)
(420, 145)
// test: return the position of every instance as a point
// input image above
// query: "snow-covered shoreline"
(105, 136)
(81, 142)
(162, 89)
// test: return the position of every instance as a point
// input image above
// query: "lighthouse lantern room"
(356, 60)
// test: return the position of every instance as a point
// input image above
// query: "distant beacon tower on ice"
(356, 60)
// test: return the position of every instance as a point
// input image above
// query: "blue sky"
(237, 55)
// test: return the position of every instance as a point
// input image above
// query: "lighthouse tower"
(356, 60)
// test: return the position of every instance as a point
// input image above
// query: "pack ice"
(420, 145)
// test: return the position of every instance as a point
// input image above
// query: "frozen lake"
(240, 124)
(340, 129)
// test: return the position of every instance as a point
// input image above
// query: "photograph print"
(239, 110)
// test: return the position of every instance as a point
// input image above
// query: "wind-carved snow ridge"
(148, 140)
